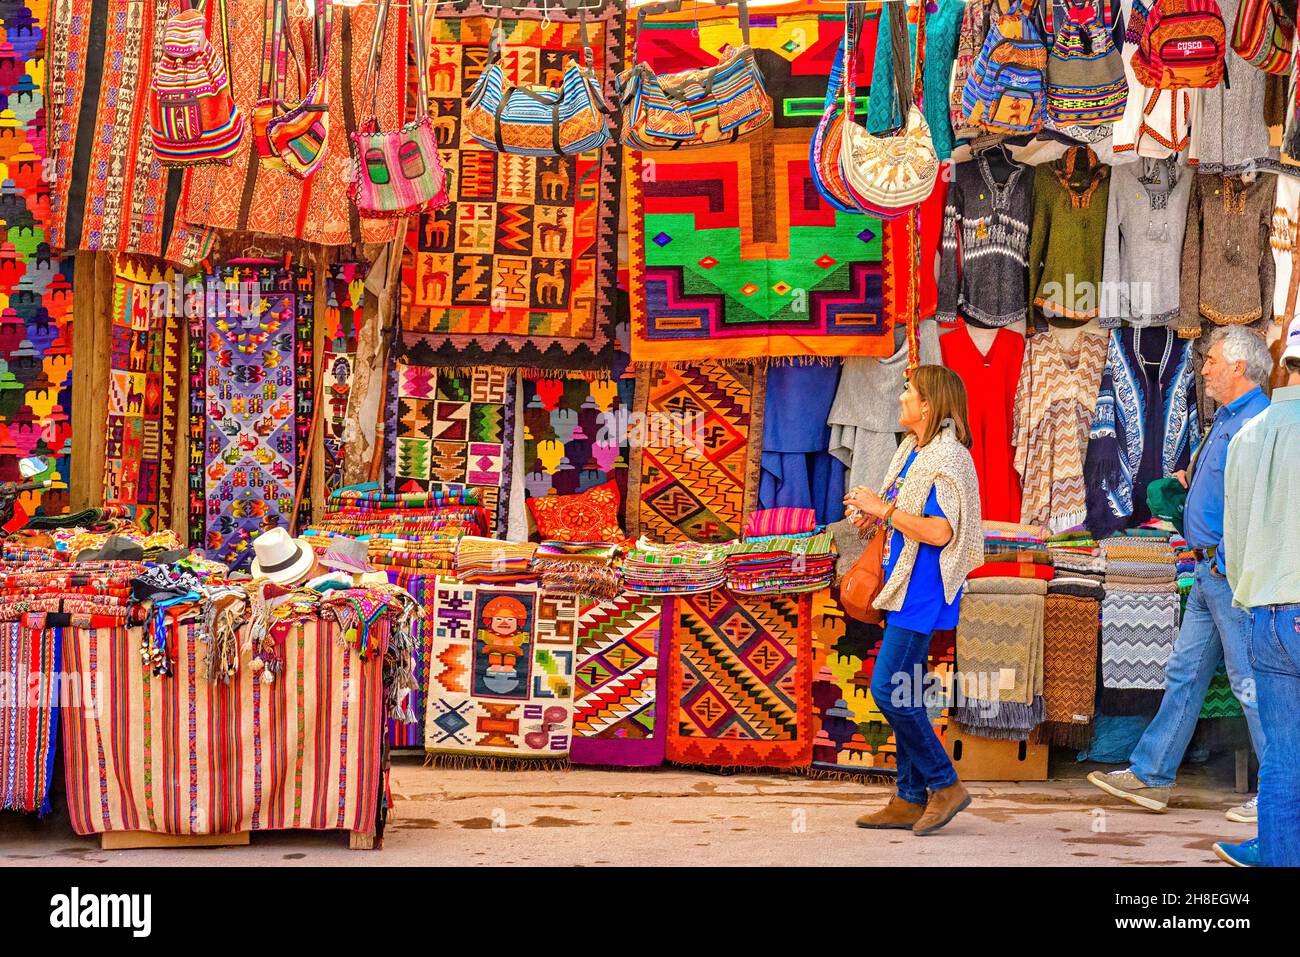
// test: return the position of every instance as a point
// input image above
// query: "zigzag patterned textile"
(29, 727)
(1070, 625)
(400, 733)
(35, 287)
(345, 289)
(740, 681)
(694, 474)
(450, 427)
(732, 249)
(1000, 657)
(520, 268)
(251, 398)
(144, 390)
(575, 435)
(500, 672)
(619, 707)
(1138, 630)
(183, 754)
(1220, 702)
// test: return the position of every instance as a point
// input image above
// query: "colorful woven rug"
(500, 672)
(251, 401)
(400, 733)
(143, 391)
(732, 250)
(450, 427)
(618, 709)
(186, 755)
(575, 435)
(35, 288)
(109, 192)
(850, 733)
(250, 197)
(740, 681)
(345, 288)
(696, 446)
(29, 725)
(520, 269)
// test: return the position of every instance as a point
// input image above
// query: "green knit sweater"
(1067, 238)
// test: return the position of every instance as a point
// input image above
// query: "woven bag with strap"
(298, 136)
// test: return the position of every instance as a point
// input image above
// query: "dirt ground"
(679, 817)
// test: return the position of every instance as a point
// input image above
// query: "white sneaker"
(1247, 813)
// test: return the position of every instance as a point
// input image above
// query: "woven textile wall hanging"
(450, 427)
(345, 288)
(695, 470)
(247, 196)
(144, 391)
(183, 754)
(35, 287)
(29, 727)
(732, 249)
(619, 714)
(400, 733)
(109, 192)
(500, 672)
(520, 269)
(251, 399)
(740, 681)
(575, 435)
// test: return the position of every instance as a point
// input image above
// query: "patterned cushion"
(590, 516)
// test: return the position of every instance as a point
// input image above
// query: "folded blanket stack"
(489, 561)
(1013, 550)
(781, 564)
(423, 553)
(1071, 621)
(1000, 657)
(683, 568)
(1076, 556)
(1140, 563)
(583, 569)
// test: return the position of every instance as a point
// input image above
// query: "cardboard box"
(984, 759)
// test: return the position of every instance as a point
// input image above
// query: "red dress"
(990, 395)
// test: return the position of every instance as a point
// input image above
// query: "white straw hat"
(281, 559)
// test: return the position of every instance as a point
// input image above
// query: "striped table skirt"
(181, 754)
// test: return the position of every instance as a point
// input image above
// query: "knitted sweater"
(945, 465)
(1145, 218)
(1067, 237)
(982, 269)
(1227, 260)
(1055, 400)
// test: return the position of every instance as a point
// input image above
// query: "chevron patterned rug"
(1070, 626)
(618, 718)
(1138, 630)
(1000, 662)
(740, 681)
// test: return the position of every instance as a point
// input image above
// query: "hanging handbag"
(695, 107)
(277, 50)
(192, 114)
(1263, 34)
(827, 141)
(538, 120)
(860, 586)
(890, 174)
(397, 172)
(298, 135)
(1086, 85)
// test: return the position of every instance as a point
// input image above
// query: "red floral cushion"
(590, 516)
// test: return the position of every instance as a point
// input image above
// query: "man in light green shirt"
(1261, 535)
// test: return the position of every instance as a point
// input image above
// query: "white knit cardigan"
(945, 465)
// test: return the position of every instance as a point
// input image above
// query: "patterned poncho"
(1053, 414)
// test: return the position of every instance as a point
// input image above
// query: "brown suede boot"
(942, 808)
(897, 813)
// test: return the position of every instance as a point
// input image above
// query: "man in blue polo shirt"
(1237, 364)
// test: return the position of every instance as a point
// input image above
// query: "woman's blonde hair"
(946, 393)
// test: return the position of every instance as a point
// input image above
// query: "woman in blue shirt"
(929, 509)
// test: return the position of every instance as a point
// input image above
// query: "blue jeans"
(1275, 653)
(923, 765)
(1212, 632)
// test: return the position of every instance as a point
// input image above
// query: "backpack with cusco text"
(1181, 46)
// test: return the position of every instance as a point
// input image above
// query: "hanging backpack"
(298, 136)
(1086, 86)
(277, 51)
(1181, 46)
(1007, 86)
(974, 31)
(192, 114)
(1263, 34)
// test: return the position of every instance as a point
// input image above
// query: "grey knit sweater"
(1145, 217)
(983, 266)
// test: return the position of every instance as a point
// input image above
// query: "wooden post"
(92, 303)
